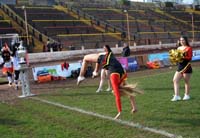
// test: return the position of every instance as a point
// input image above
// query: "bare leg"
(109, 86)
(83, 68)
(87, 58)
(109, 83)
(102, 80)
(176, 80)
(133, 104)
(9, 77)
(186, 77)
(95, 72)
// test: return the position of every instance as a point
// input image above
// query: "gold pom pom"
(176, 56)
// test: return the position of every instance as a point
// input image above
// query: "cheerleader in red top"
(117, 77)
(184, 70)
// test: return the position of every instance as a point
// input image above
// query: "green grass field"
(3, 80)
(30, 118)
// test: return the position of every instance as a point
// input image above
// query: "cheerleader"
(16, 67)
(118, 77)
(184, 70)
(90, 58)
(94, 58)
(7, 63)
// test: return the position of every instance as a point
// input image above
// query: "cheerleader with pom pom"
(182, 57)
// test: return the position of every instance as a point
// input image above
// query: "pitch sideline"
(131, 124)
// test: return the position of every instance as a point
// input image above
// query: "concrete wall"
(139, 51)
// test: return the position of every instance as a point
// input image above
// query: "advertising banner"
(55, 70)
(162, 59)
(158, 60)
(129, 64)
(196, 55)
(64, 70)
(124, 62)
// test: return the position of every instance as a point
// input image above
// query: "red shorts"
(5, 70)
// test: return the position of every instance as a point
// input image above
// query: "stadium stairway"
(189, 10)
(175, 34)
(88, 22)
(170, 16)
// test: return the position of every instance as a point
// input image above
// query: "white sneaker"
(80, 79)
(99, 90)
(186, 97)
(10, 84)
(108, 89)
(16, 87)
(94, 74)
(176, 98)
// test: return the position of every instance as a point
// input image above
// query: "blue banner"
(196, 55)
(10, 2)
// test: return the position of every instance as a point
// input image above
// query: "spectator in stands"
(126, 50)
(48, 45)
(54, 46)
(44, 48)
(60, 46)
(117, 77)
(184, 70)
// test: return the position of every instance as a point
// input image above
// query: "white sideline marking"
(131, 124)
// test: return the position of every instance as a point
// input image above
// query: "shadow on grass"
(186, 121)
(164, 89)
(77, 94)
(10, 122)
(158, 89)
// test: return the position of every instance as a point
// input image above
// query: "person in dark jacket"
(126, 50)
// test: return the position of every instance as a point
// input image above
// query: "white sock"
(9, 79)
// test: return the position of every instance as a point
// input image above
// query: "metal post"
(25, 82)
(128, 28)
(26, 24)
(24, 72)
(192, 27)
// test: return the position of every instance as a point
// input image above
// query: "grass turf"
(30, 118)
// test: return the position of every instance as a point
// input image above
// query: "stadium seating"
(147, 23)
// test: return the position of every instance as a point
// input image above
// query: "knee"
(175, 80)
(85, 58)
(187, 82)
(103, 77)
